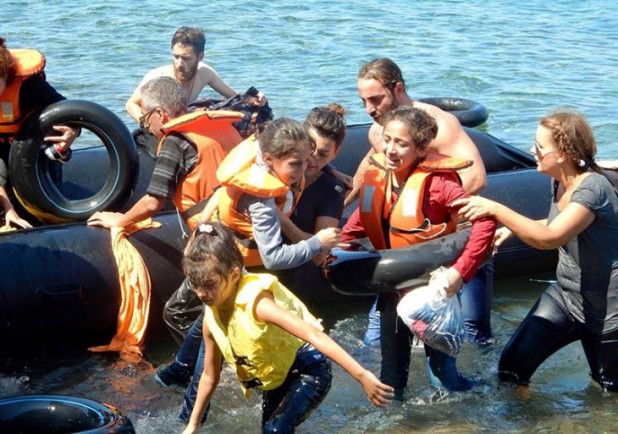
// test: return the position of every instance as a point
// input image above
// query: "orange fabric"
(27, 63)
(135, 291)
(407, 223)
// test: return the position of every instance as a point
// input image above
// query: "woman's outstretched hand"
(502, 234)
(475, 207)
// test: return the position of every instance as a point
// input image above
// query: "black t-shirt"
(324, 197)
(36, 94)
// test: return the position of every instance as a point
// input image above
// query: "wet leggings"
(549, 327)
(305, 387)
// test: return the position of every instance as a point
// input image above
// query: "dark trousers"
(305, 387)
(548, 327)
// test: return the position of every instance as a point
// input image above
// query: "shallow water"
(520, 59)
(561, 398)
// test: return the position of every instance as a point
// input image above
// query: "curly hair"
(7, 62)
(423, 127)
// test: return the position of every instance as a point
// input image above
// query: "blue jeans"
(307, 384)
(191, 354)
(372, 334)
(476, 298)
(442, 371)
(181, 369)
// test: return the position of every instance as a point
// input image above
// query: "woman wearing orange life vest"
(23, 91)
(259, 177)
(405, 199)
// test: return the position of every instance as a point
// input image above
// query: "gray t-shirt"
(588, 264)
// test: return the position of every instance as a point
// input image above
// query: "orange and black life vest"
(27, 64)
(239, 174)
(212, 133)
(405, 218)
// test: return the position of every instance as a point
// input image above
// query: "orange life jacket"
(213, 134)
(239, 174)
(407, 223)
(27, 63)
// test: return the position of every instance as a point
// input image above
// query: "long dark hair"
(328, 122)
(211, 248)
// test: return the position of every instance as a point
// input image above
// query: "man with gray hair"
(186, 163)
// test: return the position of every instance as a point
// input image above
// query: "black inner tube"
(470, 113)
(36, 179)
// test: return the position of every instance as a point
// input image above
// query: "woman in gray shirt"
(583, 224)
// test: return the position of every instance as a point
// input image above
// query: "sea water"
(520, 59)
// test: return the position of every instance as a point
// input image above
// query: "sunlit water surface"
(520, 59)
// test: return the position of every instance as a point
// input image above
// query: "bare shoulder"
(452, 139)
(206, 73)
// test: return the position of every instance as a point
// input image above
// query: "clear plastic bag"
(432, 316)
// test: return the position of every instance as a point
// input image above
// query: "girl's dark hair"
(423, 126)
(328, 122)
(211, 248)
(282, 136)
(6, 63)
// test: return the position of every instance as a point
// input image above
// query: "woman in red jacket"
(405, 199)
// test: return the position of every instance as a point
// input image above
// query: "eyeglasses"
(536, 148)
(143, 119)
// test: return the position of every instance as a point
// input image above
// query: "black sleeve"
(36, 94)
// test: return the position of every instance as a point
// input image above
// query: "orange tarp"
(135, 291)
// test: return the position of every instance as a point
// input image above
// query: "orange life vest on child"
(239, 174)
(27, 64)
(407, 223)
(213, 134)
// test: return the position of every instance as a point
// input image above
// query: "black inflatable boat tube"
(59, 414)
(365, 272)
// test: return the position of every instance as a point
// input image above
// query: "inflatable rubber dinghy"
(62, 280)
(363, 271)
(59, 414)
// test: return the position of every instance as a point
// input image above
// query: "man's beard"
(394, 104)
(185, 75)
